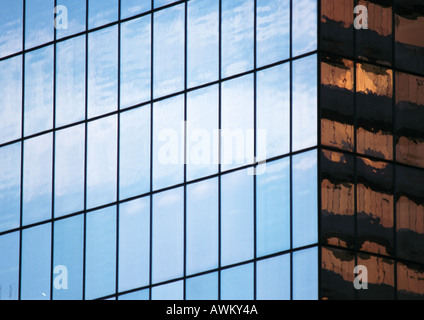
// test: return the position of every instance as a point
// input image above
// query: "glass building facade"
(210, 149)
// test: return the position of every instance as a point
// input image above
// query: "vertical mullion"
(219, 147)
(291, 149)
(255, 150)
(151, 148)
(319, 148)
(185, 149)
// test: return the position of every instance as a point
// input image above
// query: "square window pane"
(305, 25)
(75, 15)
(9, 266)
(273, 278)
(305, 274)
(237, 283)
(131, 8)
(39, 22)
(11, 26)
(203, 287)
(101, 12)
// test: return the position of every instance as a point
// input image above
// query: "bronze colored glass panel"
(337, 274)
(337, 103)
(410, 213)
(410, 282)
(375, 43)
(375, 206)
(337, 199)
(374, 89)
(410, 119)
(381, 278)
(409, 24)
(337, 26)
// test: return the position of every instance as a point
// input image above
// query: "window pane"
(101, 162)
(68, 253)
(237, 218)
(134, 151)
(11, 93)
(102, 12)
(69, 170)
(134, 244)
(11, 26)
(172, 291)
(9, 266)
(202, 38)
(305, 132)
(237, 283)
(237, 36)
(305, 202)
(135, 61)
(102, 71)
(273, 31)
(160, 3)
(70, 81)
(39, 90)
(36, 263)
(133, 7)
(273, 112)
(37, 185)
(202, 133)
(169, 51)
(202, 288)
(305, 274)
(10, 186)
(39, 22)
(76, 17)
(304, 26)
(273, 207)
(168, 235)
(168, 142)
(202, 226)
(100, 253)
(273, 278)
(137, 296)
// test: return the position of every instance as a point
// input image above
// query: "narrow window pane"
(168, 142)
(237, 136)
(172, 291)
(134, 244)
(100, 253)
(161, 3)
(168, 235)
(304, 26)
(39, 22)
(37, 185)
(237, 218)
(237, 36)
(305, 274)
(305, 132)
(131, 8)
(134, 151)
(9, 266)
(273, 31)
(305, 199)
(101, 162)
(135, 61)
(237, 283)
(273, 112)
(75, 14)
(10, 181)
(70, 81)
(273, 207)
(169, 51)
(203, 287)
(68, 253)
(11, 93)
(202, 133)
(202, 226)
(273, 278)
(202, 38)
(36, 263)
(69, 170)
(39, 90)
(11, 26)
(101, 12)
(136, 296)
(102, 71)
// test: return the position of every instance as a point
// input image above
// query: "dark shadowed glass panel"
(410, 282)
(39, 22)
(203, 287)
(273, 278)
(304, 26)
(101, 12)
(133, 7)
(75, 14)
(237, 283)
(12, 27)
(305, 274)
(172, 291)
(9, 266)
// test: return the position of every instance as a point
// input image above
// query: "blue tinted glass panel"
(203, 287)
(10, 181)
(134, 152)
(237, 217)
(160, 3)
(12, 27)
(202, 41)
(68, 258)
(273, 207)
(100, 253)
(37, 185)
(305, 274)
(131, 8)
(38, 90)
(202, 226)
(304, 26)
(101, 12)
(9, 266)
(36, 263)
(135, 61)
(69, 170)
(39, 22)
(237, 283)
(172, 291)
(134, 244)
(75, 14)
(273, 278)
(137, 296)
(168, 235)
